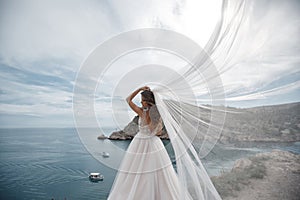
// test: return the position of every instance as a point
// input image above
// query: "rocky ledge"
(131, 130)
(266, 176)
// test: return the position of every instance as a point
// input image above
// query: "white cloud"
(268, 49)
(52, 38)
(33, 30)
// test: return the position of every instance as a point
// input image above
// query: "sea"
(53, 163)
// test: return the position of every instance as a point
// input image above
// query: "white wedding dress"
(146, 171)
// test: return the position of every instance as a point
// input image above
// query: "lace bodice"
(144, 127)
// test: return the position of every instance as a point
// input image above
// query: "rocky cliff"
(278, 123)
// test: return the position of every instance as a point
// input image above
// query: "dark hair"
(153, 112)
(148, 97)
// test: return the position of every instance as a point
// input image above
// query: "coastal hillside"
(265, 123)
(266, 176)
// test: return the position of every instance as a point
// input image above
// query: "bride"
(146, 171)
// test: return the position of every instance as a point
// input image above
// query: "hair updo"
(148, 97)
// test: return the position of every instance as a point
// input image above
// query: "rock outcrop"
(101, 137)
(131, 130)
(266, 176)
(120, 135)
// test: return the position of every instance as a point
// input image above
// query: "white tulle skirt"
(146, 172)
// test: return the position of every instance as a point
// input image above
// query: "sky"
(44, 43)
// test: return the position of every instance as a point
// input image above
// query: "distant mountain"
(265, 123)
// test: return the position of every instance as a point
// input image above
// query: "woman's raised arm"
(132, 105)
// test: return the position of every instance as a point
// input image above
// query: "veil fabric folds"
(193, 128)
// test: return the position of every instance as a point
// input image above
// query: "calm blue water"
(53, 163)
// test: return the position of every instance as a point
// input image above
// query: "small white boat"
(105, 154)
(95, 177)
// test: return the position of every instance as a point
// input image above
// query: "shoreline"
(273, 140)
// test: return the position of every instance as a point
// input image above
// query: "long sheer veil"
(194, 129)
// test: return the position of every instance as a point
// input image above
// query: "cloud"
(268, 50)
(32, 30)
(43, 44)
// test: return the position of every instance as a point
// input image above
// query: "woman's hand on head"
(145, 88)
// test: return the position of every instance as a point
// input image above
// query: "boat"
(95, 177)
(105, 154)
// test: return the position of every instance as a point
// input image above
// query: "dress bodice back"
(144, 127)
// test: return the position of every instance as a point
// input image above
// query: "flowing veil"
(194, 129)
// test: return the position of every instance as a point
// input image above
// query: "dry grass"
(237, 179)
